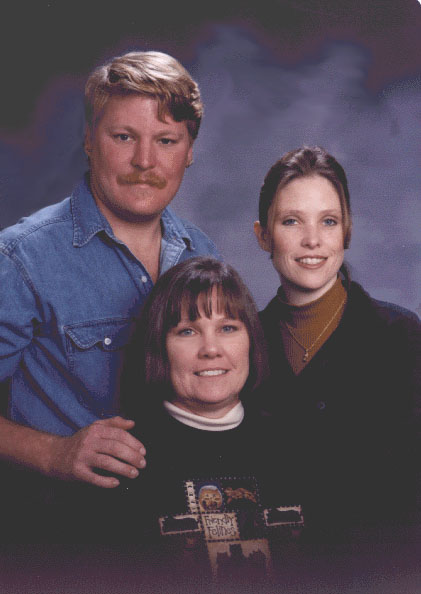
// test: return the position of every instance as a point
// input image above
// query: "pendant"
(305, 356)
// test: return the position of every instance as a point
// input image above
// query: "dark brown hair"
(305, 162)
(181, 289)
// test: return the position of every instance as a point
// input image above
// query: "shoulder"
(195, 238)
(36, 227)
(270, 313)
(390, 314)
(381, 326)
(257, 421)
(150, 420)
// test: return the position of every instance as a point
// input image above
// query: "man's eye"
(122, 137)
(166, 141)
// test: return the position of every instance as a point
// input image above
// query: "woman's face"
(305, 237)
(209, 362)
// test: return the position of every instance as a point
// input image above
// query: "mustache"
(136, 177)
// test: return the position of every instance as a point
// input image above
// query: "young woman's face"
(209, 362)
(305, 237)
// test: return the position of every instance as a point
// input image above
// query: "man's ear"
(190, 156)
(262, 236)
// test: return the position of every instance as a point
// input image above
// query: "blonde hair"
(151, 74)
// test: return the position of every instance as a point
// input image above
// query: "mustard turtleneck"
(305, 328)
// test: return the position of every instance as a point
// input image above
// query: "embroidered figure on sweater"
(225, 520)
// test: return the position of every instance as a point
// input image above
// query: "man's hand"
(105, 445)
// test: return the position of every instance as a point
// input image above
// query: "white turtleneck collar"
(230, 420)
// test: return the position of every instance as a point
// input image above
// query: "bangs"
(201, 286)
(194, 301)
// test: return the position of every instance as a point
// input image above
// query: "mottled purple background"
(274, 75)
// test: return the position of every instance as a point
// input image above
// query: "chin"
(312, 282)
(216, 400)
(310, 288)
(141, 216)
(211, 402)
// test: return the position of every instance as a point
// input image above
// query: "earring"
(189, 163)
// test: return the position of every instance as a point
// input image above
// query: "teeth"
(311, 260)
(211, 372)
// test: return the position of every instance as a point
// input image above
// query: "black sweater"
(177, 452)
(244, 473)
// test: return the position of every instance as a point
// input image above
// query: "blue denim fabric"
(70, 291)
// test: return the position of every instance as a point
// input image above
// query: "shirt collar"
(230, 420)
(174, 229)
(88, 220)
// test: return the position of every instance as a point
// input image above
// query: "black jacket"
(352, 414)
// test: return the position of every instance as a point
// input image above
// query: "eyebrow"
(186, 320)
(300, 212)
(165, 131)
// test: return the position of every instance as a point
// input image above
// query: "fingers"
(117, 457)
(125, 424)
(112, 448)
(112, 467)
(116, 428)
(106, 482)
(104, 445)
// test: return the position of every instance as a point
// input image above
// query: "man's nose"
(143, 155)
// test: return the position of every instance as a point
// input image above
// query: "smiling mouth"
(210, 372)
(310, 261)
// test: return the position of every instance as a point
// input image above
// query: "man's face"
(137, 162)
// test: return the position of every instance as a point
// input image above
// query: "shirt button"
(144, 279)
(107, 340)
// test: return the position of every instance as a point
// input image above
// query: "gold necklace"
(307, 349)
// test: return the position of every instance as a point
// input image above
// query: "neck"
(211, 411)
(305, 328)
(298, 296)
(142, 237)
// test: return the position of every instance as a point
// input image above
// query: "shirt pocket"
(95, 355)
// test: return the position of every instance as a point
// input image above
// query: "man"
(75, 274)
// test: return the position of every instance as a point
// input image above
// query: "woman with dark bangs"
(215, 485)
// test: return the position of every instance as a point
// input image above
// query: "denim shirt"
(70, 291)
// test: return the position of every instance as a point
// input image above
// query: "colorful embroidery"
(225, 516)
